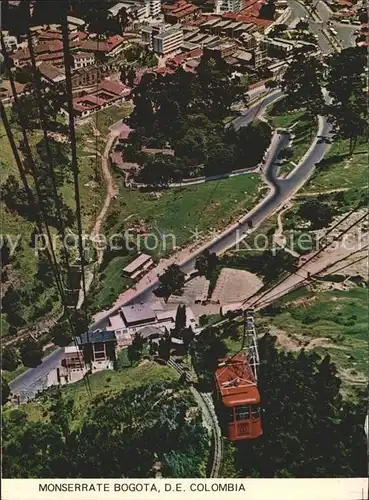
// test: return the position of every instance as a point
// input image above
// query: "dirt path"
(278, 237)
(317, 193)
(111, 191)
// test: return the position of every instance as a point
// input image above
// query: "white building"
(140, 9)
(153, 7)
(222, 6)
(135, 318)
(168, 34)
(168, 41)
(83, 59)
(10, 43)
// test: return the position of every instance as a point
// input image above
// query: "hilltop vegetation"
(335, 320)
(123, 433)
(309, 430)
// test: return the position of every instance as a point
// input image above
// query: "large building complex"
(138, 9)
(163, 38)
(228, 6)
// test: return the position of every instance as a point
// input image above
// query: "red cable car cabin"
(238, 399)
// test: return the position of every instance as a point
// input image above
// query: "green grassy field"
(340, 317)
(25, 261)
(107, 117)
(179, 212)
(12, 375)
(102, 383)
(303, 127)
(340, 170)
(7, 162)
(111, 283)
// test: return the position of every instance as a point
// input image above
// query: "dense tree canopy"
(302, 83)
(308, 430)
(346, 84)
(319, 214)
(31, 353)
(61, 334)
(186, 111)
(5, 391)
(9, 358)
(121, 436)
(206, 350)
(171, 281)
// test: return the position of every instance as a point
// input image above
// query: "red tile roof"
(20, 55)
(81, 35)
(125, 130)
(163, 71)
(114, 41)
(113, 87)
(50, 57)
(93, 99)
(79, 107)
(103, 46)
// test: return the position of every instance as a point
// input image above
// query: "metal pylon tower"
(250, 344)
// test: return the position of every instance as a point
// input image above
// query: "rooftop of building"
(169, 32)
(103, 46)
(76, 21)
(116, 322)
(54, 46)
(50, 71)
(82, 54)
(112, 87)
(138, 313)
(72, 349)
(137, 263)
(150, 331)
(52, 57)
(94, 337)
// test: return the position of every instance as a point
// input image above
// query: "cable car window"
(255, 412)
(242, 412)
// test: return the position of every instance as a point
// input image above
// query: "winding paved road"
(281, 191)
(345, 32)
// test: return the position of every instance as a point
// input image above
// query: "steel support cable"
(48, 150)
(72, 136)
(342, 220)
(328, 232)
(27, 148)
(34, 175)
(301, 283)
(50, 253)
(31, 199)
(307, 261)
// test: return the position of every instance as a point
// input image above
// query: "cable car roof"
(236, 382)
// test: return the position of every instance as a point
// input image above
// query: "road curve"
(35, 379)
(281, 191)
(30, 382)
